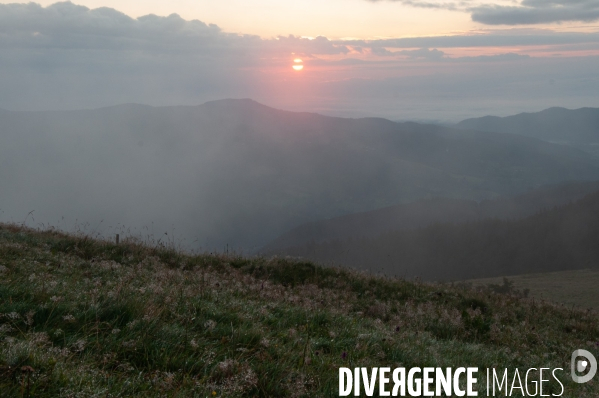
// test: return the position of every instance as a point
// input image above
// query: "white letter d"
(345, 386)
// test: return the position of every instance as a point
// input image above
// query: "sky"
(429, 60)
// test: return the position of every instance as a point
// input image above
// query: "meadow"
(83, 317)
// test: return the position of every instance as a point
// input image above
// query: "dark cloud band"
(528, 12)
(535, 12)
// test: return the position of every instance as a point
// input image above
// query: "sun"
(297, 64)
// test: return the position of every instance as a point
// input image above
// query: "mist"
(235, 174)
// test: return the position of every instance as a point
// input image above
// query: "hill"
(578, 127)
(236, 173)
(81, 317)
(560, 239)
(419, 214)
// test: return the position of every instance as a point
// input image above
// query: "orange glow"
(298, 67)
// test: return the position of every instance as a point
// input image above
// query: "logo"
(583, 361)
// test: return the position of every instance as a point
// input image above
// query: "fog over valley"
(237, 174)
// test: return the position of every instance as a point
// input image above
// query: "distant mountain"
(579, 127)
(425, 212)
(564, 238)
(237, 174)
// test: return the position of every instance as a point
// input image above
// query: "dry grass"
(572, 288)
(87, 318)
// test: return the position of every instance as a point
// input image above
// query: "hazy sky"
(365, 19)
(403, 59)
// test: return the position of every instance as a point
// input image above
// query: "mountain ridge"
(575, 126)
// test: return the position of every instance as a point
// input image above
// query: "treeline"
(562, 238)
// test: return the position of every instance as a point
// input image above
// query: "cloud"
(69, 26)
(70, 56)
(422, 53)
(507, 57)
(427, 54)
(528, 12)
(437, 4)
(532, 12)
(491, 38)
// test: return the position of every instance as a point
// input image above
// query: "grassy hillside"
(573, 288)
(85, 318)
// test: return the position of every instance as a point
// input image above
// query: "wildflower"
(132, 324)
(210, 324)
(13, 315)
(6, 328)
(129, 344)
(58, 332)
(264, 342)
(116, 331)
(214, 393)
(31, 277)
(344, 355)
(40, 338)
(193, 343)
(79, 345)
(69, 318)
(397, 329)
(55, 299)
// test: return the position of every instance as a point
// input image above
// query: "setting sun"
(298, 64)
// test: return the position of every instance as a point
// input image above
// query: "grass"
(572, 288)
(87, 318)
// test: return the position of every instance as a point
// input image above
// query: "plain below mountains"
(236, 173)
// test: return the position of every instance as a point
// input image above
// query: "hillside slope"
(236, 173)
(80, 317)
(560, 239)
(576, 127)
(422, 213)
